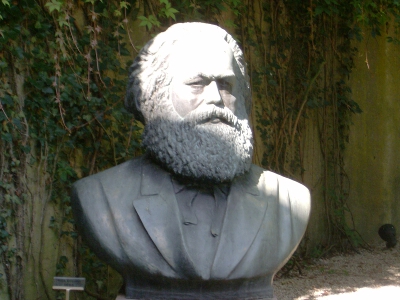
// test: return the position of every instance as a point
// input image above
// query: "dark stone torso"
(202, 211)
(129, 215)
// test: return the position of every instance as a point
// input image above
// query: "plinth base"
(122, 297)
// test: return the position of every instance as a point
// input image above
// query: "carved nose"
(212, 95)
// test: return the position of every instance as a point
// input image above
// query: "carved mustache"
(204, 114)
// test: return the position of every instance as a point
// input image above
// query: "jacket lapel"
(159, 213)
(244, 215)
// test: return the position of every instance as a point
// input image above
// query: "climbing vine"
(300, 56)
(63, 81)
(63, 70)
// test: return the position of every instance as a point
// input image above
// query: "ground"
(370, 274)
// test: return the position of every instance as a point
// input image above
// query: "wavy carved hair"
(149, 78)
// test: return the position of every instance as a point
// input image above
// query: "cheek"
(183, 99)
(240, 108)
(229, 100)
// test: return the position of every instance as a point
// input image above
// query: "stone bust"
(193, 218)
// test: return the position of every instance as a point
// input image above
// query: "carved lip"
(212, 115)
(216, 120)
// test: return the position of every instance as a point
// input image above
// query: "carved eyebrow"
(202, 76)
(194, 79)
(227, 75)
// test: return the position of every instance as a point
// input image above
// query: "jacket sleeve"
(94, 220)
(293, 214)
(300, 204)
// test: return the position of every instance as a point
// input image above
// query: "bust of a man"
(192, 218)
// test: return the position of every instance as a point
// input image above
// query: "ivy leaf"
(5, 3)
(235, 3)
(145, 22)
(154, 21)
(48, 90)
(87, 117)
(124, 4)
(170, 12)
(149, 22)
(65, 171)
(54, 5)
(7, 137)
(99, 284)
(62, 21)
(231, 24)
(3, 233)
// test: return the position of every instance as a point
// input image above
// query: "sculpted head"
(190, 88)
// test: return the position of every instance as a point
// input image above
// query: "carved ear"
(132, 104)
(136, 104)
(137, 112)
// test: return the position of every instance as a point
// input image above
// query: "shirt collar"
(179, 186)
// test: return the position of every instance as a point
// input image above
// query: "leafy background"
(63, 71)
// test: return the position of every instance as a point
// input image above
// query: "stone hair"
(149, 78)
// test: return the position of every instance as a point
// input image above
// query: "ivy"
(149, 21)
(168, 11)
(300, 58)
(68, 108)
(63, 71)
(54, 5)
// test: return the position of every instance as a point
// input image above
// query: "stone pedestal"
(122, 297)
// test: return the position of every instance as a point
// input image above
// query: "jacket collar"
(159, 213)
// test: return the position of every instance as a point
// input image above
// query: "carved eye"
(198, 85)
(197, 88)
(224, 85)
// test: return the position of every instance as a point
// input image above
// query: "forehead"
(206, 56)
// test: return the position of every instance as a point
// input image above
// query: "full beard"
(208, 145)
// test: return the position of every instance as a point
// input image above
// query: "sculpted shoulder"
(293, 197)
(92, 200)
(112, 177)
(93, 197)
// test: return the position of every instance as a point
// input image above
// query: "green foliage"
(69, 109)
(375, 14)
(300, 57)
(168, 11)
(54, 5)
(149, 21)
(63, 70)
(4, 3)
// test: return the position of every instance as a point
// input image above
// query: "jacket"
(128, 215)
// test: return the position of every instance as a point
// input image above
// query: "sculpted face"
(203, 74)
(199, 128)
